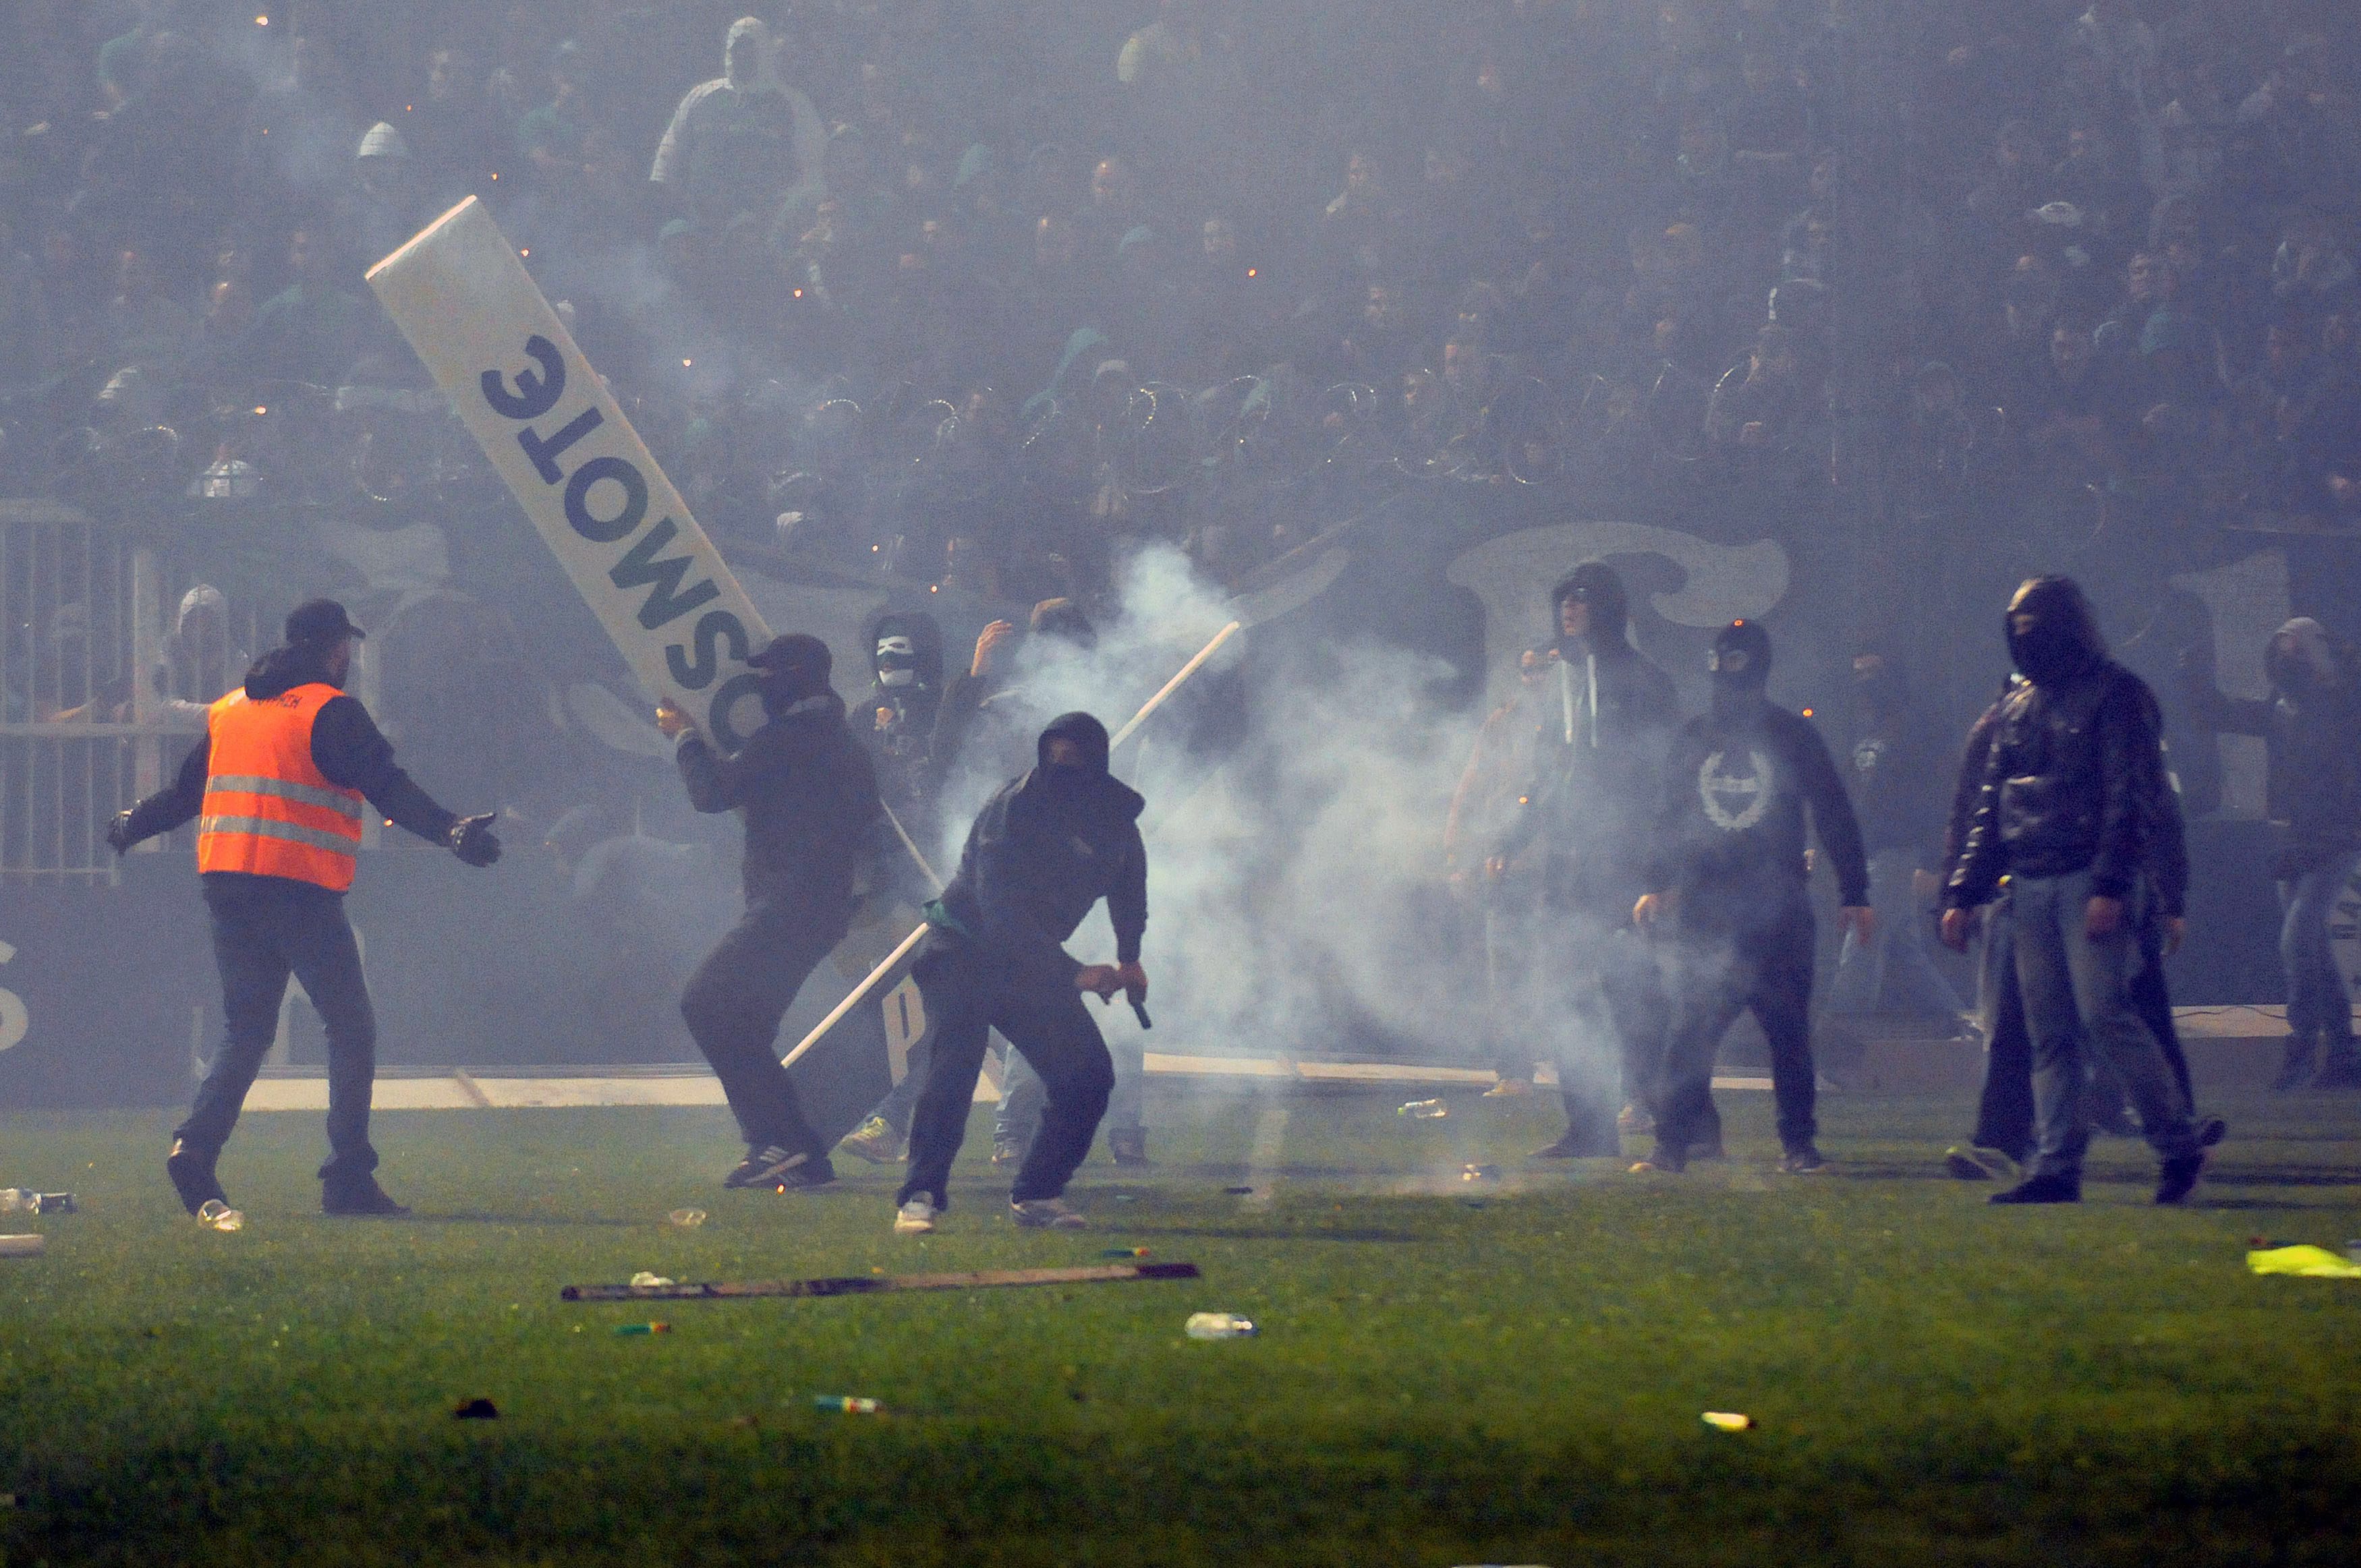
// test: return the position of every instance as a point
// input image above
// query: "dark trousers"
(733, 1005)
(2004, 1113)
(265, 929)
(1758, 959)
(968, 995)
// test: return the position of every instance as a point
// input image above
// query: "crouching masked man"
(1739, 786)
(809, 795)
(1043, 852)
(277, 787)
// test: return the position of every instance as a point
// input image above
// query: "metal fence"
(107, 662)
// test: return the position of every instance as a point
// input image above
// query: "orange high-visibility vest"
(268, 810)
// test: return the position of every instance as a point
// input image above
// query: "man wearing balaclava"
(1742, 785)
(808, 796)
(1896, 786)
(1604, 715)
(2311, 726)
(2071, 812)
(1042, 853)
(897, 721)
(743, 142)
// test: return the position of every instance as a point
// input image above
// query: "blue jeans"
(2078, 1005)
(1894, 971)
(2318, 1003)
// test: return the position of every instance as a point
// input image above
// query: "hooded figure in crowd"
(1604, 716)
(744, 142)
(808, 794)
(1896, 784)
(2073, 811)
(1041, 854)
(905, 696)
(1741, 784)
(2312, 725)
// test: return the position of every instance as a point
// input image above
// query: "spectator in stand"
(2080, 415)
(455, 132)
(744, 142)
(310, 330)
(552, 138)
(143, 326)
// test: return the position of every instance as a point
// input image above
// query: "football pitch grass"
(1447, 1372)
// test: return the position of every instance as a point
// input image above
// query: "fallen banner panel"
(882, 1284)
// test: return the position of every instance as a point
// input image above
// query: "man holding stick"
(810, 795)
(1041, 854)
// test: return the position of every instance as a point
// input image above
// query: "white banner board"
(461, 295)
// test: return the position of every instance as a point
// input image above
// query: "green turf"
(1437, 1382)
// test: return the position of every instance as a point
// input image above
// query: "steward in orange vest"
(277, 789)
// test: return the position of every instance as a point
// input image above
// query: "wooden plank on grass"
(879, 1284)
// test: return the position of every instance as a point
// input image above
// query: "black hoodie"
(896, 724)
(1731, 832)
(2074, 777)
(1043, 852)
(809, 794)
(347, 748)
(1604, 715)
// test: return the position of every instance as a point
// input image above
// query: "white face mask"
(900, 648)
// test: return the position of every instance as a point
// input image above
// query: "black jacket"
(2073, 780)
(809, 795)
(1595, 784)
(2312, 727)
(347, 748)
(1730, 829)
(1043, 852)
(1895, 774)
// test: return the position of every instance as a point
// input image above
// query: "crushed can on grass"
(847, 1404)
(1424, 1110)
(217, 1215)
(687, 1218)
(1219, 1325)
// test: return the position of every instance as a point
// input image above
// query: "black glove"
(471, 839)
(119, 833)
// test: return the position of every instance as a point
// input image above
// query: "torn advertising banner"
(461, 295)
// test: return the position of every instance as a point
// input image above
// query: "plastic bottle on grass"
(847, 1404)
(1219, 1325)
(1424, 1110)
(218, 1215)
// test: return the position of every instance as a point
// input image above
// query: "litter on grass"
(1727, 1420)
(1480, 1173)
(660, 1289)
(2313, 1262)
(1424, 1110)
(1219, 1325)
(21, 1246)
(1125, 1252)
(687, 1218)
(644, 1328)
(476, 1410)
(644, 1280)
(847, 1404)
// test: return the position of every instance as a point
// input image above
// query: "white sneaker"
(915, 1218)
(1046, 1214)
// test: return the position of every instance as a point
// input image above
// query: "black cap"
(797, 657)
(317, 622)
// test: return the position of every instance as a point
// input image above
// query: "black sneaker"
(2339, 1069)
(2211, 1130)
(364, 1199)
(2176, 1177)
(2042, 1190)
(770, 1166)
(1805, 1161)
(1568, 1147)
(191, 1170)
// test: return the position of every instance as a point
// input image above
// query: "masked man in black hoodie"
(897, 724)
(809, 798)
(1043, 852)
(1605, 714)
(1729, 865)
(2072, 812)
(277, 787)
